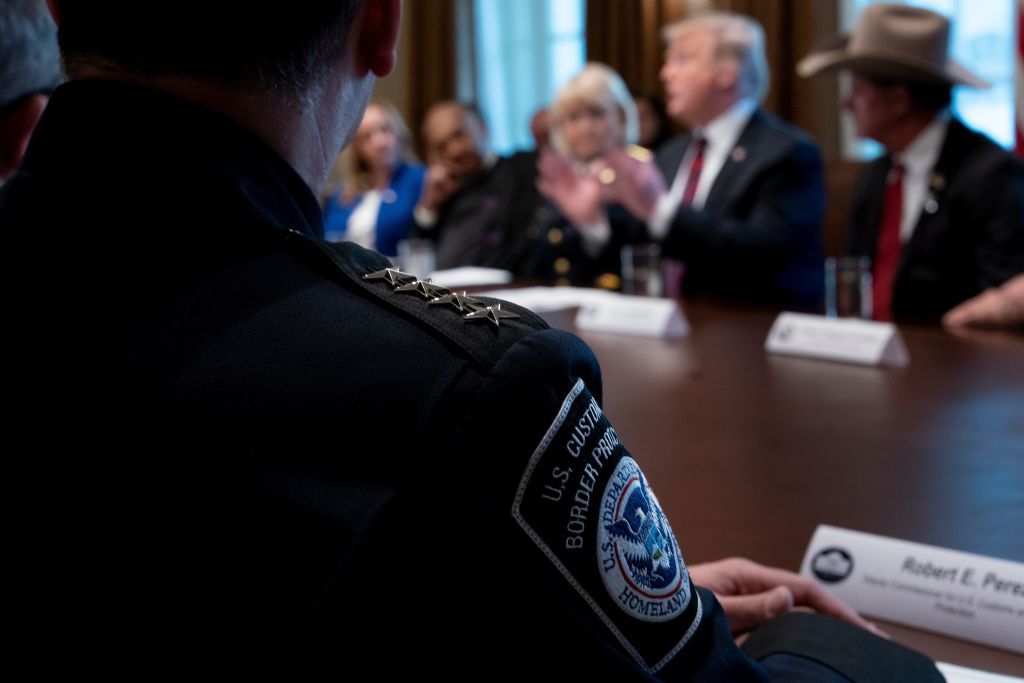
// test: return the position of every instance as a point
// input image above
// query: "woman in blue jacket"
(375, 184)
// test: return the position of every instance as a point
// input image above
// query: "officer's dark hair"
(268, 45)
(29, 60)
(925, 95)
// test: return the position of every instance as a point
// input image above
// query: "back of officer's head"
(284, 46)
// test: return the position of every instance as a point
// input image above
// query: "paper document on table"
(602, 311)
(960, 674)
(544, 299)
(638, 316)
(470, 276)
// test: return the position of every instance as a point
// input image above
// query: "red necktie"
(690, 188)
(887, 253)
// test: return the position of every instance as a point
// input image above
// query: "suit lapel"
(668, 163)
(736, 165)
(928, 221)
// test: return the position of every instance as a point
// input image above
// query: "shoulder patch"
(585, 503)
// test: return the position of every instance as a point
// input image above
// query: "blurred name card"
(849, 340)
(963, 595)
(544, 299)
(961, 674)
(634, 315)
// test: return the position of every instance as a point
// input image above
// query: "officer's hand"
(751, 594)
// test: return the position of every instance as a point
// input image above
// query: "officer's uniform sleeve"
(524, 537)
(569, 527)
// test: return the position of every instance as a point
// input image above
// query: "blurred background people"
(941, 213)
(997, 307)
(476, 205)
(578, 236)
(655, 124)
(375, 184)
(746, 192)
(29, 71)
(540, 129)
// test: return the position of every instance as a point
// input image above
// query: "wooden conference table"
(749, 452)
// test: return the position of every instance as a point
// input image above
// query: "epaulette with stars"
(454, 314)
(470, 307)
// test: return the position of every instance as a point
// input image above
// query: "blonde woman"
(579, 236)
(375, 184)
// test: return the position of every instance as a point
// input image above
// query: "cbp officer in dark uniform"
(249, 452)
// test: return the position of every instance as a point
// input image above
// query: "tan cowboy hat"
(893, 41)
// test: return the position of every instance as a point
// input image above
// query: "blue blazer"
(395, 217)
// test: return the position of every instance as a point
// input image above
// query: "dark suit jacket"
(972, 241)
(758, 236)
(557, 251)
(485, 223)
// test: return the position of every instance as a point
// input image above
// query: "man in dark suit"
(941, 213)
(245, 450)
(476, 205)
(746, 191)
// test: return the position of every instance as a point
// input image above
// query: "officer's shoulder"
(484, 329)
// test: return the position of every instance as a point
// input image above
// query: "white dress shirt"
(918, 160)
(362, 224)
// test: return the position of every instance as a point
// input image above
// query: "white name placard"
(963, 595)
(843, 339)
(634, 315)
(961, 674)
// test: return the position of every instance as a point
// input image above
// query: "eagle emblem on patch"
(640, 561)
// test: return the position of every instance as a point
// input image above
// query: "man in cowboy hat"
(745, 193)
(942, 212)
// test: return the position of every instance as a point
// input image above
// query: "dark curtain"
(432, 75)
(627, 37)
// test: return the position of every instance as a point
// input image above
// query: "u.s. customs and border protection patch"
(585, 503)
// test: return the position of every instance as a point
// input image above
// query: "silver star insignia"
(461, 302)
(393, 276)
(423, 288)
(492, 313)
